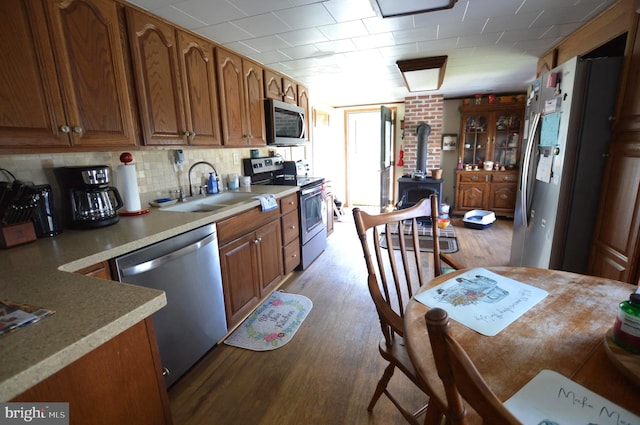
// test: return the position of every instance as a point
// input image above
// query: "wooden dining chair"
(461, 380)
(396, 267)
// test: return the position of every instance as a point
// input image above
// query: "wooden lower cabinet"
(250, 259)
(120, 382)
(290, 232)
(486, 190)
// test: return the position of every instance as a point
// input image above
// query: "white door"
(363, 157)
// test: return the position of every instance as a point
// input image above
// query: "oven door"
(312, 213)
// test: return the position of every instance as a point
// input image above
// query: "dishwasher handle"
(157, 262)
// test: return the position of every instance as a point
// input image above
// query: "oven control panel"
(253, 166)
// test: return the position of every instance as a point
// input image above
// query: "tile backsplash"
(156, 174)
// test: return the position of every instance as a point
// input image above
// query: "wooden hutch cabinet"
(490, 132)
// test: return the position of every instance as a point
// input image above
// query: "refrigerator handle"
(526, 164)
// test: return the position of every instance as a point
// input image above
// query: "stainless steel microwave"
(286, 125)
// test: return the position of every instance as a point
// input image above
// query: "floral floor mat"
(273, 324)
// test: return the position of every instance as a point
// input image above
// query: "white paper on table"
(552, 399)
(482, 300)
(543, 172)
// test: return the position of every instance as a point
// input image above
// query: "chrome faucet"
(193, 166)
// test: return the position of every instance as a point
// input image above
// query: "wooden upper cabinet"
(241, 100)
(254, 101)
(303, 102)
(176, 83)
(197, 64)
(279, 87)
(157, 75)
(64, 79)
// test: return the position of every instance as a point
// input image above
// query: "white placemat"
(551, 398)
(482, 300)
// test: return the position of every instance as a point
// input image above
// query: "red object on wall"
(400, 162)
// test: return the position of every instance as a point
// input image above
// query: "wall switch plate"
(236, 159)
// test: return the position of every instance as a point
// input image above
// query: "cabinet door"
(503, 198)
(272, 85)
(155, 60)
(30, 99)
(270, 247)
(86, 39)
(475, 137)
(240, 277)
(200, 89)
(231, 84)
(471, 196)
(289, 91)
(254, 104)
(303, 102)
(506, 137)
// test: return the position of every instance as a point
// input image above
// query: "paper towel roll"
(128, 183)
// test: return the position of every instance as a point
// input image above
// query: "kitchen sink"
(211, 203)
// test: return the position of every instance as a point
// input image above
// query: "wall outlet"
(236, 158)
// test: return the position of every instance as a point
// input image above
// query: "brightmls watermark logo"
(34, 413)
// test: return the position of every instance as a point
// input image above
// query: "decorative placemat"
(273, 324)
(482, 300)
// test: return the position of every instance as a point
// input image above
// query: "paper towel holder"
(132, 191)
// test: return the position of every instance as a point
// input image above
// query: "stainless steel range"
(311, 196)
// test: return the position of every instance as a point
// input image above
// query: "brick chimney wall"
(424, 109)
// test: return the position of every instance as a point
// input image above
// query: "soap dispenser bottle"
(212, 185)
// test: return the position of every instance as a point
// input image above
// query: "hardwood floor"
(327, 373)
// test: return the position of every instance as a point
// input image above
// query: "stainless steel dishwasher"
(187, 268)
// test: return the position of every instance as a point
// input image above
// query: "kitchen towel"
(128, 182)
(268, 202)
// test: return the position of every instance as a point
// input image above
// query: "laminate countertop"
(88, 311)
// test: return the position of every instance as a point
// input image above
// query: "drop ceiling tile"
(268, 43)
(441, 16)
(300, 52)
(504, 23)
(415, 35)
(349, 10)
(404, 51)
(241, 47)
(179, 17)
(224, 33)
(480, 40)
(309, 16)
(261, 25)
(377, 25)
(338, 46)
(492, 8)
(567, 15)
(469, 27)
(344, 30)
(204, 11)
(253, 7)
(302, 37)
(437, 47)
(151, 4)
(374, 41)
(269, 58)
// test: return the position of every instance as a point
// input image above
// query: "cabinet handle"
(292, 227)
(193, 134)
(505, 178)
(291, 202)
(474, 178)
(472, 196)
(77, 129)
(65, 128)
(186, 133)
(294, 256)
(165, 371)
(503, 197)
(257, 241)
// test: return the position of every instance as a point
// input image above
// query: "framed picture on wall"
(449, 142)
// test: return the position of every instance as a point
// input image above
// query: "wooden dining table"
(565, 332)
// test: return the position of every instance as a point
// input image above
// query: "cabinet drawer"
(289, 203)
(472, 177)
(504, 178)
(290, 227)
(291, 254)
(241, 224)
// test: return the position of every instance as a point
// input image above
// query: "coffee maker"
(88, 200)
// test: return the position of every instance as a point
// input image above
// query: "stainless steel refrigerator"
(567, 133)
